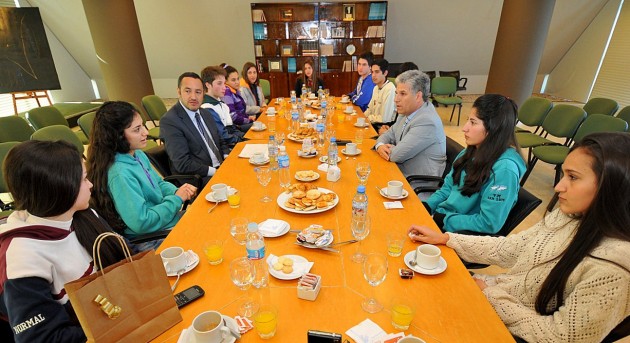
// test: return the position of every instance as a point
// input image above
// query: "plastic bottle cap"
(253, 227)
(272, 137)
(333, 139)
(361, 189)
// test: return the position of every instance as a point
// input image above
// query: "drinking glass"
(263, 174)
(374, 271)
(266, 321)
(242, 275)
(363, 171)
(402, 313)
(238, 229)
(360, 227)
(358, 136)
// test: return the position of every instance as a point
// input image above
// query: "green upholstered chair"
(601, 106)
(58, 132)
(555, 154)
(442, 92)
(85, 123)
(152, 142)
(155, 108)
(624, 114)
(14, 129)
(266, 88)
(40, 117)
(533, 112)
(5, 208)
(561, 122)
(455, 73)
(392, 80)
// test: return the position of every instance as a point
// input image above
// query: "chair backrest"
(58, 132)
(534, 111)
(443, 85)
(14, 129)
(85, 123)
(431, 74)
(525, 204)
(601, 106)
(44, 116)
(451, 73)
(266, 87)
(392, 80)
(624, 114)
(563, 120)
(159, 160)
(600, 123)
(452, 150)
(4, 150)
(155, 107)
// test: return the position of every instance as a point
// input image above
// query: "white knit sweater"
(597, 294)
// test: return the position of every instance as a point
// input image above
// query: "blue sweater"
(487, 210)
(144, 204)
(362, 98)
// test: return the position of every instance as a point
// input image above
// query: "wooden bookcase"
(332, 35)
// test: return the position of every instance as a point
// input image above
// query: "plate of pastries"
(307, 198)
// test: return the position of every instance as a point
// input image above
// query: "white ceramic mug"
(258, 157)
(349, 109)
(351, 148)
(271, 110)
(411, 339)
(345, 98)
(174, 259)
(219, 191)
(258, 125)
(361, 121)
(394, 188)
(428, 256)
(209, 326)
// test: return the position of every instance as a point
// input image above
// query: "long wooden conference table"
(449, 306)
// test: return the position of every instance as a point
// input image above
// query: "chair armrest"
(147, 237)
(411, 178)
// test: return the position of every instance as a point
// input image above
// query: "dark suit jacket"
(183, 142)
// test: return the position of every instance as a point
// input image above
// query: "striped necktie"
(206, 137)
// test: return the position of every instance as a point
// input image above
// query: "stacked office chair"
(443, 92)
(155, 108)
(14, 129)
(601, 106)
(533, 113)
(455, 73)
(41, 117)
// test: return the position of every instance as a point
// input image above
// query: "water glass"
(238, 229)
(363, 172)
(374, 271)
(360, 227)
(263, 174)
(242, 275)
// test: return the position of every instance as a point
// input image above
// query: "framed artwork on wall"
(287, 50)
(348, 12)
(275, 64)
(286, 14)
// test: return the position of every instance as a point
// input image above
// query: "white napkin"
(323, 167)
(390, 205)
(299, 268)
(249, 150)
(272, 227)
(366, 332)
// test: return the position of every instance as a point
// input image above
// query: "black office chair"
(452, 150)
(159, 160)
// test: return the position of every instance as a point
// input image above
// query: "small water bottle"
(283, 165)
(334, 173)
(295, 120)
(359, 204)
(320, 93)
(272, 147)
(255, 246)
(293, 98)
(320, 127)
(304, 91)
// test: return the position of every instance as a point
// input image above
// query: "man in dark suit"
(190, 135)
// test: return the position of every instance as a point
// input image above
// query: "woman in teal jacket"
(128, 193)
(483, 185)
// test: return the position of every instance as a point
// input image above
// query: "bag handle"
(96, 249)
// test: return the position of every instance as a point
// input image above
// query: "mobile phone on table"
(315, 336)
(189, 295)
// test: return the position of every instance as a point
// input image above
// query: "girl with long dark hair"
(308, 79)
(483, 185)
(569, 275)
(250, 89)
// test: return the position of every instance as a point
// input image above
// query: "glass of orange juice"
(266, 321)
(214, 251)
(402, 313)
(234, 200)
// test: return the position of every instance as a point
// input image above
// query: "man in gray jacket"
(416, 142)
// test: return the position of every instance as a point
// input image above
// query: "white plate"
(189, 337)
(351, 112)
(292, 137)
(262, 128)
(324, 159)
(284, 196)
(251, 161)
(351, 49)
(384, 193)
(192, 260)
(364, 125)
(437, 270)
(326, 243)
(344, 102)
(281, 233)
(306, 156)
(308, 179)
(314, 97)
(343, 151)
(210, 196)
(278, 274)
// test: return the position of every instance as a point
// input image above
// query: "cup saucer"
(192, 260)
(437, 270)
(230, 191)
(343, 151)
(187, 335)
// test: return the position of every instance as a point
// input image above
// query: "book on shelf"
(258, 49)
(354, 63)
(347, 66)
(326, 49)
(323, 64)
(260, 31)
(291, 65)
(375, 32)
(378, 11)
(377, 48)
(258, 15)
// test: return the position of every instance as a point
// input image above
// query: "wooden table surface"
(449, 306)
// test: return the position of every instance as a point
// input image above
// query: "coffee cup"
(345, 98)
(351, 148)
(209, 326)
(271, 110)
(411, 339)
(361, 121)
(258, 157)
(173, 259)
(394, 188)
(219, 191)
(258, 125)
(428, 256)
(349, 109)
